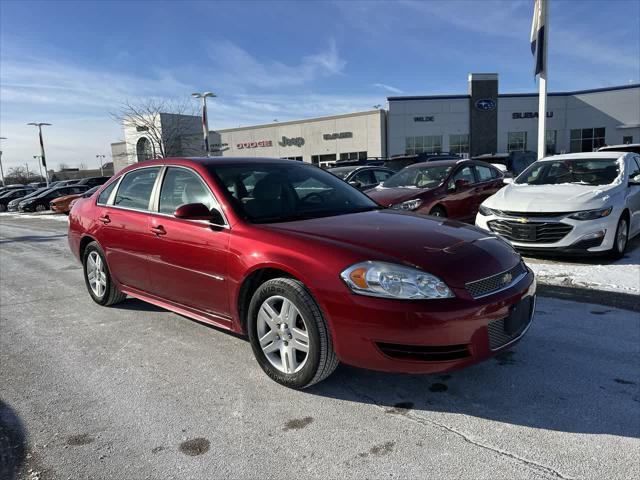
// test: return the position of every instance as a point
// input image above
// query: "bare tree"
(21, 175)
(169, 126)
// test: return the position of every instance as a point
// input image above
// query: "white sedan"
(576, 203)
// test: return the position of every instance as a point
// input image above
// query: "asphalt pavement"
(136, 392)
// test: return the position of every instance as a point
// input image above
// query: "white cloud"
(388, 88)
(239, 68)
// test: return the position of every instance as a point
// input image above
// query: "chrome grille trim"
(544, 232)
(494, 284)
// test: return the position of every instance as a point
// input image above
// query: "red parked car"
(311, 269)
(447, 188)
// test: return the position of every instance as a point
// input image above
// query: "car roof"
(584, 155)
(440, 163)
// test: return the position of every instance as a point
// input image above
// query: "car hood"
(551, 198)
(390, 196)
(455, 252)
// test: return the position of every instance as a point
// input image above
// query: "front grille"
(541, 232)
(500, 334)
(491, 284)
(424, 353)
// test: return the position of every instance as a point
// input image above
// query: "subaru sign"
(485, 104)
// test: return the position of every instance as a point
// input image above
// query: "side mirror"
(356, 184)
(507, 180)
(199, 211)
(634, 181)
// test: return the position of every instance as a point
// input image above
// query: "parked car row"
(57, 196)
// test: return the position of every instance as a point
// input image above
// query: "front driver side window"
(181, 186)
(465, 173)
(135, 188)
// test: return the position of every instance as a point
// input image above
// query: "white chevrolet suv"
(576, 203)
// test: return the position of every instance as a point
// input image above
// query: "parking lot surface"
(134, 391)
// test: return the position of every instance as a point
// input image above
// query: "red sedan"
(447, 188)
(311, 269)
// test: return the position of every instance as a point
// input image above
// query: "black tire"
(3, 207)
(321, 358)
(618, 250)
(40, 208)
(438, 211)
(111, 295)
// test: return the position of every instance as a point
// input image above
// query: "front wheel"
(97, 277)
(289, 335)
(40, 208)
(438, 212)
(621, 239)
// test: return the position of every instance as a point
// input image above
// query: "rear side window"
(484, 173)
(135, 188)
(103, 198)
(180, 187)
(365, 177)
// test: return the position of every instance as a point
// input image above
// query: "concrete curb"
(625, 301)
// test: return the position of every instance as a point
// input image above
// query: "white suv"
(581, 202)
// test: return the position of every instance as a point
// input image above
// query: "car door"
(123, 227)
(633, 194)
(459, 202)
(188, 257)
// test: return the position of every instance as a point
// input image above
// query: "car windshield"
(269, 193)
(583, 171)
(418, 177)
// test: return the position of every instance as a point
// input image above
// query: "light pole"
(100, 158)
(37, 157)
(205, 120)
(1, 170)
(43, 158)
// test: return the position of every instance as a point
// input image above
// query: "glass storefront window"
(586, 139)
(423, 144)
(517, 141)
(459, 144)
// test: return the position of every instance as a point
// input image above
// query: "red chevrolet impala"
(311, 269)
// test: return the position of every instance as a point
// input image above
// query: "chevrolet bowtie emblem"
(506, 278)
(522, 220)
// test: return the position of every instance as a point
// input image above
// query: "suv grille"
(489, 285)
(424, 353)
(547, 232)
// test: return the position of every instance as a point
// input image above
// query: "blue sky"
(72, 63)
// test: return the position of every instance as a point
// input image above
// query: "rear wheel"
(40, 208)
(438, 211)
(621, 239)
(97, 277)
(289, 335)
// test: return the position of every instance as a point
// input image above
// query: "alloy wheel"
(621, 237)
(96, 274)
(283, 335)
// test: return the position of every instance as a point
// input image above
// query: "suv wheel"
(97, 277)
(289, 335)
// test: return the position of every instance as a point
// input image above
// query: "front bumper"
(583, 236)
(427, 336)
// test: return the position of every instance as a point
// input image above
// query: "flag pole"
(542, 94)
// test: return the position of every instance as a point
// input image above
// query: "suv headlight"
(485, 211)
(591, 214)
(408, 205)
(389, 280)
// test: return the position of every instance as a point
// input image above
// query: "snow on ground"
(49, 215)
(598, 272)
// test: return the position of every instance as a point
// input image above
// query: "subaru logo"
(485, 104)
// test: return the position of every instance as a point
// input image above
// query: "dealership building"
(481, 121)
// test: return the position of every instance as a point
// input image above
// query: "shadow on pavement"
(572, 373)
(13, 443)
(33, 238)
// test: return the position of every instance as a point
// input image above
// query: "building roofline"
(304, 120)
(512, 95)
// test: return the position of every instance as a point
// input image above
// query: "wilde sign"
(517, 115)
(423, 119)
(288, 142)
(335, 136)
(261, 143)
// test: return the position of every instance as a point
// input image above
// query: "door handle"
(159, 230)
(105, 219)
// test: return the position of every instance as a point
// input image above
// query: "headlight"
(485, 211)
(591, 214)
(408, 205)
(388, 280)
